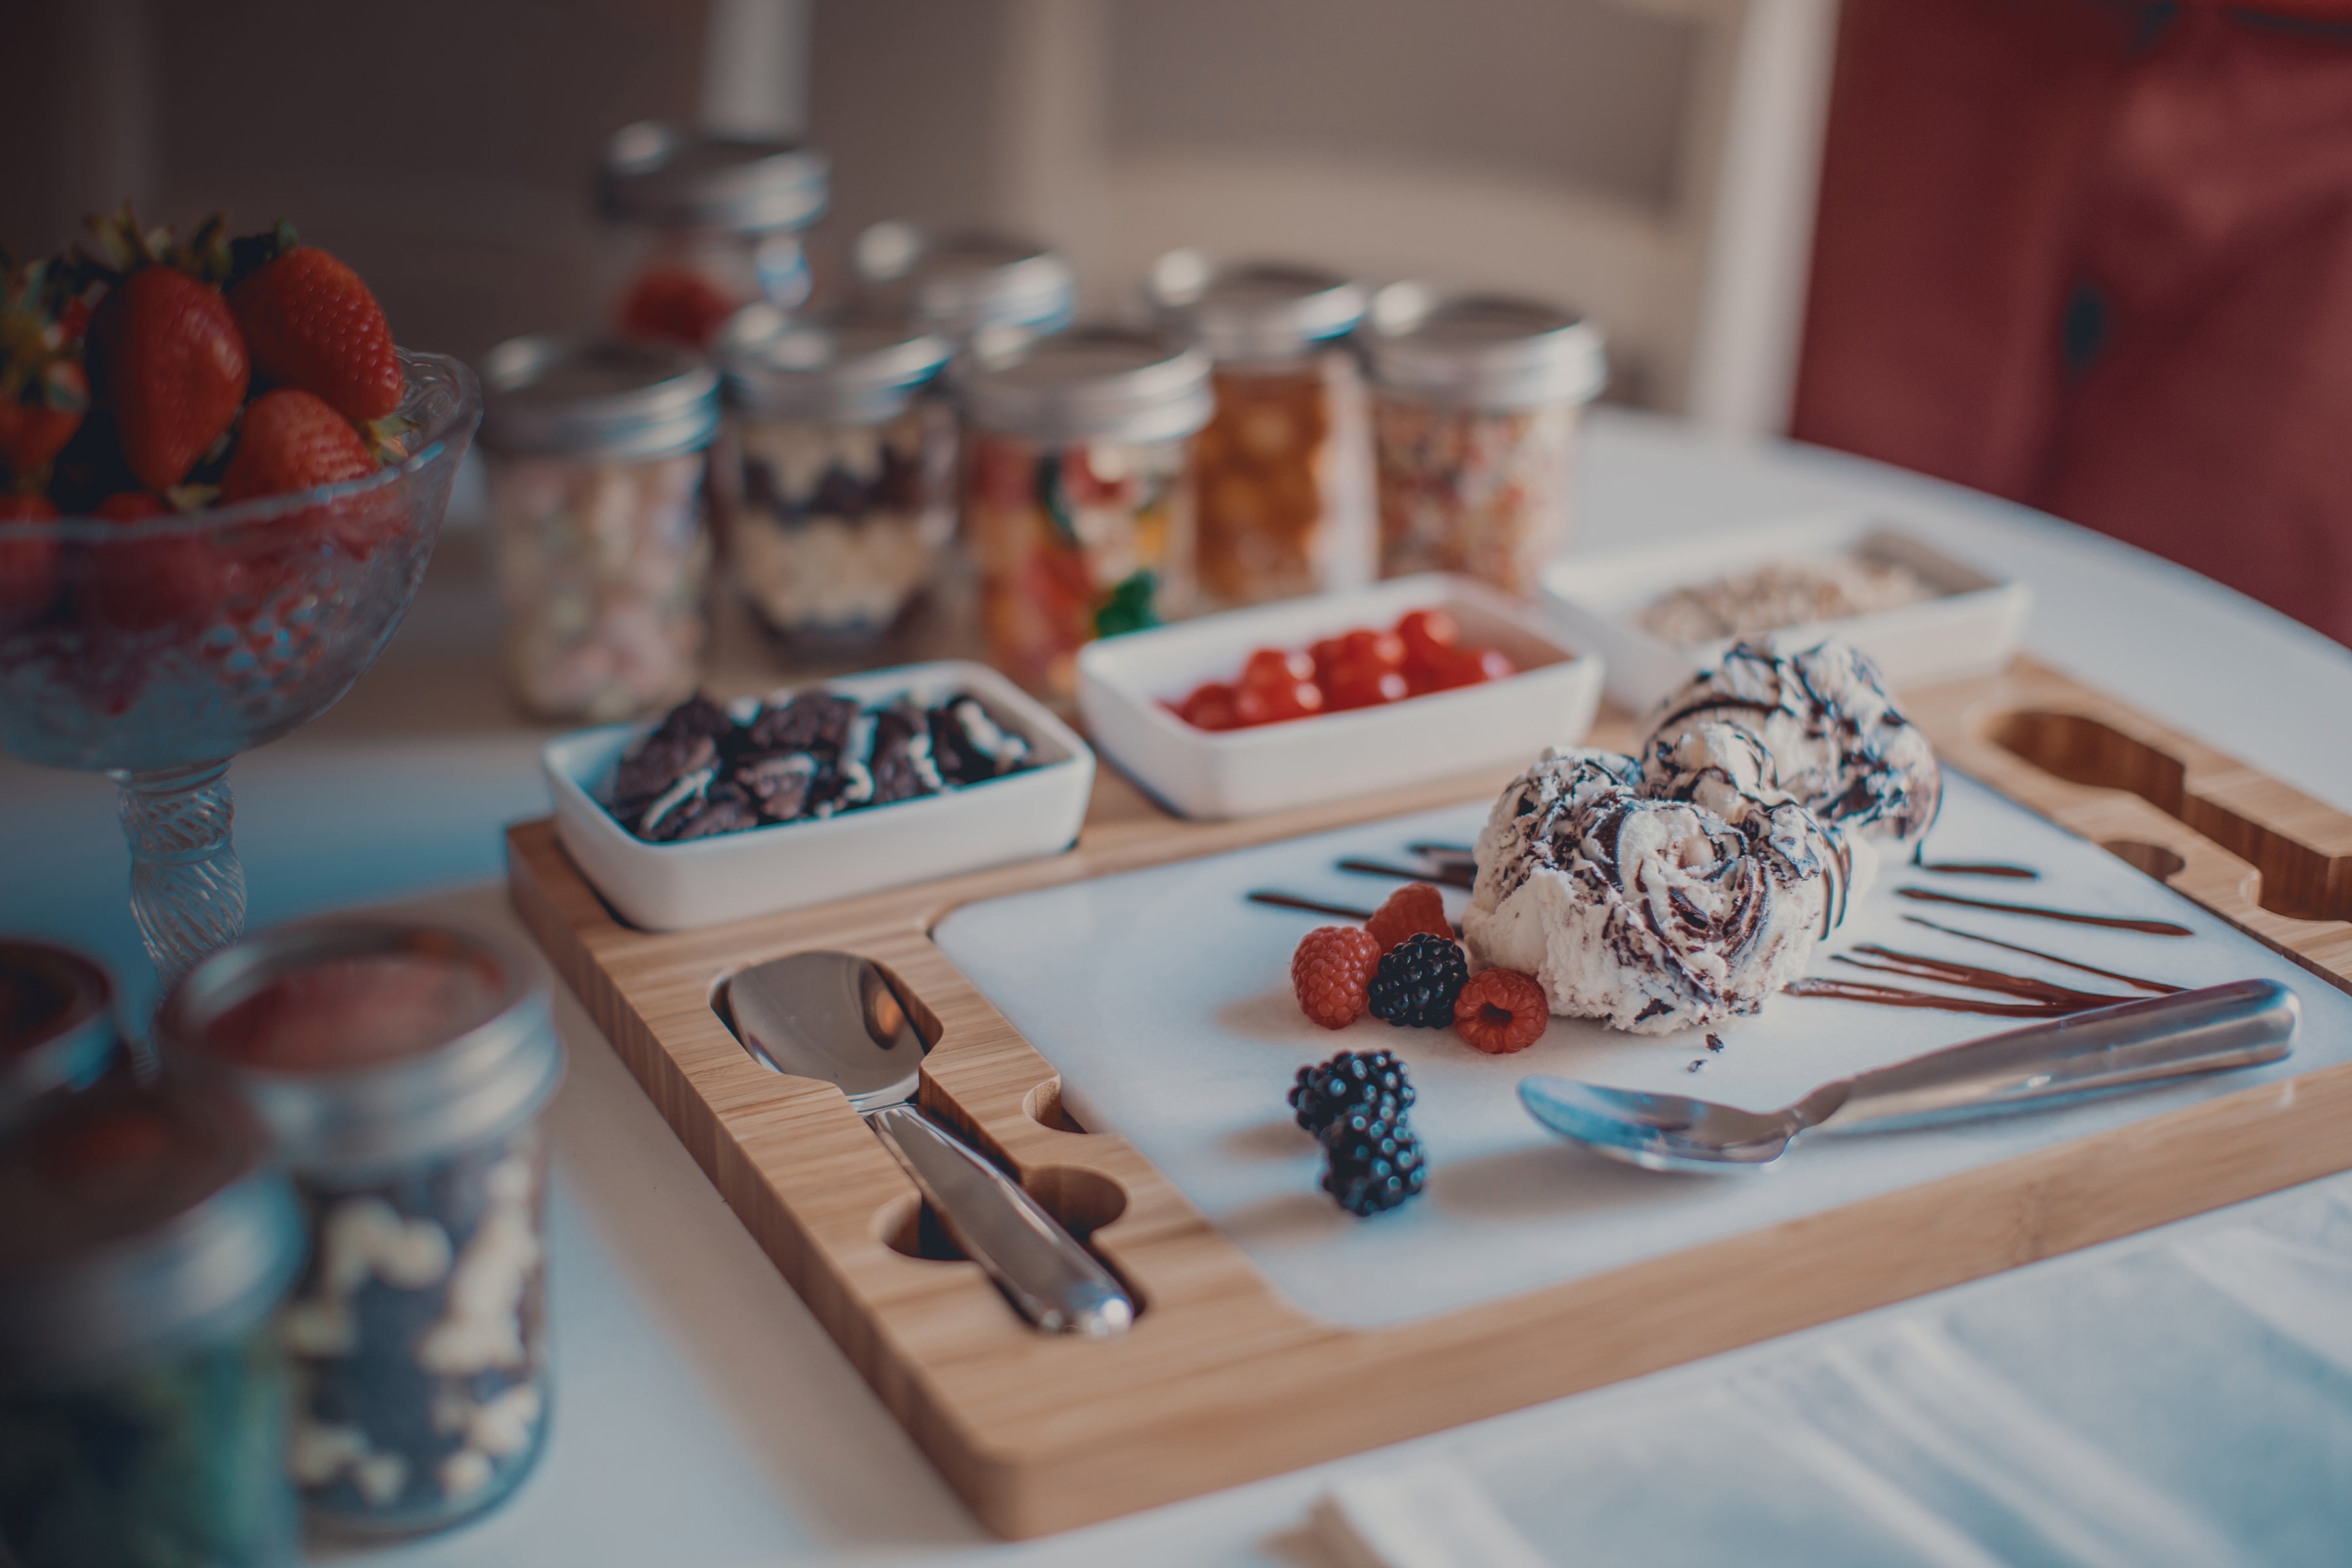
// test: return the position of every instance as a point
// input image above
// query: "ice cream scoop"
(1838, 744)
(1651, 914)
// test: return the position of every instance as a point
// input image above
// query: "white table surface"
(2081, 1410)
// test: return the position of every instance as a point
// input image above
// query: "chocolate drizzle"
(1978, 869)
(2113, 922)
(1292, 901)
(1451, 876)
(2159, 986)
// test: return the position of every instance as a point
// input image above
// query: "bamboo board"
(1221, 1382)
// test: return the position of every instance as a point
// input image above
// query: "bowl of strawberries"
(220, 483)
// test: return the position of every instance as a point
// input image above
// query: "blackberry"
(1417, 982)
(1348, 1081)
(1373, 1164)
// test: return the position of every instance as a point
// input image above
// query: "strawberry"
(293, 441)
(29, 565)
(140, 585)
(311, 323)
(44, 388)
(176, 368)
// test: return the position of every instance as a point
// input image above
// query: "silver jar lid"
(57, 1026)
(1093, 384)
(833, 370)
(137, 1222)
(1482, 351)
(585, 397)
(961, 283)
(1251, 309)
(668, 178)
(369, 1045)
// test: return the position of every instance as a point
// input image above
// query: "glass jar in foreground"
(989, 291)
(1477, 399)
(1078, 493)
(58, 1031)
(595, 454)
(143, 1246)
(400, 1069)
(843, 493)
(717, 222)
(1284, 469)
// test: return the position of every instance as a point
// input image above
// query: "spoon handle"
(1056, 1283)
(2238, 1025)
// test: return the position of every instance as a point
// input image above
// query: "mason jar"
(1078, 492)
(144, 1244)
(57, 1033)
(712, 224)
(842, 491)
(1476, 403)
(594, 456)
(1283, 471)
(985, 289)
(400, 1069)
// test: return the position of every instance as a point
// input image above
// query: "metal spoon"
(2238, 1025)
(833, 1017)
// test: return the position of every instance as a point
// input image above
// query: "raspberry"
(1332, 972)
(1413, 908)
(1501, 1010)
(1352, 1080)
(1417, 982)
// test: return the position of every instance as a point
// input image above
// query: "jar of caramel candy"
(1476, 399)
(1283, 471)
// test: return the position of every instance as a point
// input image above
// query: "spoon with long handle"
(2241, 1024)
(833, 1017)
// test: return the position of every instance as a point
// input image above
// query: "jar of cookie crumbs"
(400, 1069)
(1078, 492)
(1283, 471)
(843, 488)
(1476, 399)
(717, 222)
(594, 456)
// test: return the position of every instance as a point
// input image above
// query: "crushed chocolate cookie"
(811, 722)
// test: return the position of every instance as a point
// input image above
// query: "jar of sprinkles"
(718, 221)
(1476, 403)
(1078, 492)
(1283, 471)
(402, 1069)
(57, 1033)
(144, 1243)
(595, 454)
(841, 492)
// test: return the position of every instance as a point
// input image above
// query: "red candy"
(1362, 667)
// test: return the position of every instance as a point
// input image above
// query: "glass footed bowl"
(157, 650)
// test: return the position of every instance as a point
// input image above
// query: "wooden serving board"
(1221, 1381)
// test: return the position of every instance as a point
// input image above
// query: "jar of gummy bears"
(1284, 472)
(594, 456)
(400, 1069)
(714, 224)
(1078, 492)
(1476, 404)
(841, 490)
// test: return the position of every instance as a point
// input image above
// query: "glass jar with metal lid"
(1284, 470)
(144, 1243)
(594, 454)
(720, 219)
(1476, 403)
(842, 486)
(400, 1069)
(988, 290)
(1078, 492)
(57, 1033)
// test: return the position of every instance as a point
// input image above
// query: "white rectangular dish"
(1185, 1044)
(733, 876)
(1972, 626)
(1125, 681)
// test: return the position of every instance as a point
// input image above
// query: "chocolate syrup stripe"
(2159, 986)
(1282, 900)
(1897, 996)
(1451, 877)
(1918, 966)
(1978, 869)
(2113, 922)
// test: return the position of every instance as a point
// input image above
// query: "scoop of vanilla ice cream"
(1727, 769)
(1651, 914)
(1838, 744)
